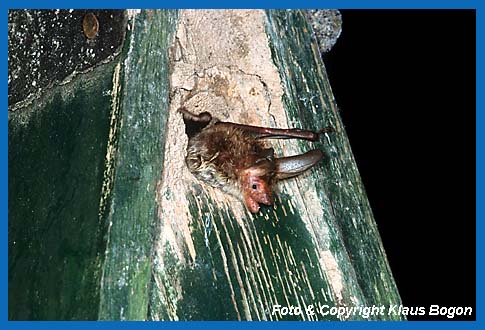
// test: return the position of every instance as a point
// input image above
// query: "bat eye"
(255, 186)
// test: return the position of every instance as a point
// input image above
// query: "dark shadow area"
(405, 85)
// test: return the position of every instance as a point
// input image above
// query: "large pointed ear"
(194, 124)
(288, 167)
(263, 167)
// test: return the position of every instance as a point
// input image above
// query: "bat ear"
(262, 168)
(287, 167)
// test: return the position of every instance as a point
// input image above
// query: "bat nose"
(266, 199)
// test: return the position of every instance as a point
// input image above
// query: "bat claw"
(328, 129)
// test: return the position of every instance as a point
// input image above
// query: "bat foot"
(194, 124)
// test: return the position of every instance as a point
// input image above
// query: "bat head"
(256, 185)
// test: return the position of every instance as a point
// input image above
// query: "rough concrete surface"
(47, 47)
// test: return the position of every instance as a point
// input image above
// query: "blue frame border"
(342, 4)
(250, 4)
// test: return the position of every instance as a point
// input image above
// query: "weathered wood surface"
(157, 244)
(136, 153)
(57, 148)
(61, 96)
(319, 243)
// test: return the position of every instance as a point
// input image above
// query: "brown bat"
(233, 157)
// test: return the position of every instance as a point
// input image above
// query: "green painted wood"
(56, 234)
(350, 214)
(137, 163)
(318, 245)
(154, 243)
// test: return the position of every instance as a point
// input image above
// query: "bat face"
(233, 157)
(256, 190)
(255, 186)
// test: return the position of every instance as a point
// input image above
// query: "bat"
(234, 158)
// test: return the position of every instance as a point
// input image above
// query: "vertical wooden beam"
(319, 244)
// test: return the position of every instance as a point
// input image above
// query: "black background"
(404, 81)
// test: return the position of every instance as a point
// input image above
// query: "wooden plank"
(319, 243)
(167, 246)
(57, 148)
(136, 151)
(60, 102)
(308, 87)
